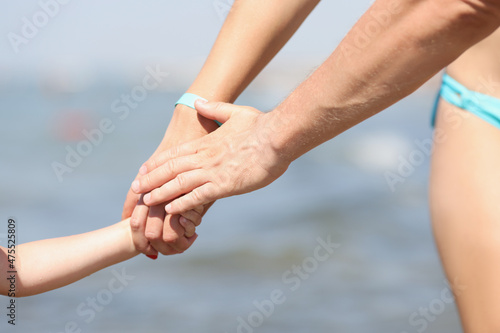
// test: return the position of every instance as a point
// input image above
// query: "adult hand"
(237, 158)
(169, 234)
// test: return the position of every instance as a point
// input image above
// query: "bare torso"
(479, 67)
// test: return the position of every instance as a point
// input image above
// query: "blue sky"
(122, 35)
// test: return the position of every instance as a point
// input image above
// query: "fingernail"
(151, 256)
(147, 198)
(135, 186)
(168, 208)
(182, 219)
(202, 101)
(143, 170)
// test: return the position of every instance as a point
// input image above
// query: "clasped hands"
(177, 185)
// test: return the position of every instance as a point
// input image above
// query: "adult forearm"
(252, 34)
(392, 50)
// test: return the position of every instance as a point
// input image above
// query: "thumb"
(129, 205)
(218, 111)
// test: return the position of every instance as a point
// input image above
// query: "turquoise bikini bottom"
(481, 105)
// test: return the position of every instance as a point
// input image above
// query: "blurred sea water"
(383, 269)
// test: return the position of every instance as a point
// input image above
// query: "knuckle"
(174, 151)
(197, 220)
(193, 218)
(181, 181)
(207, 193)
(225, 184)
(170, 238)
(151, 164)
(190, 229)
(181, 249)
(152, 236)
(170, 165)
(157, 195)
(141, 246)
(154, 194)
(199, 209)
(196, 196)
(211, 154)
(218, 106)
(147, 180)
(135, 223)
(166, 252)
(164, 172)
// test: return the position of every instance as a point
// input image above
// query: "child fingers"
(129, 204)
(154, 224)
(189, 226)
(137, 227)
(174, 234)
(193, 216)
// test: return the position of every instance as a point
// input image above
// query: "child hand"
(153, 230)
(191, 219)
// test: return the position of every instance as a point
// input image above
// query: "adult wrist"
(188, 119)
(275, 133)
(189, 99)
(185, 125)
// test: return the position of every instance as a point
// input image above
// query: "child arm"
(53, 263)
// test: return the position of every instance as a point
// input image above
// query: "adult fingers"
(182, 183)
(201, 195)
(161, 158)
(164, 173)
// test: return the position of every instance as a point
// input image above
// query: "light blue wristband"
(188, 99)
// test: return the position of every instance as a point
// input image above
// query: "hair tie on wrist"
(188, 99)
